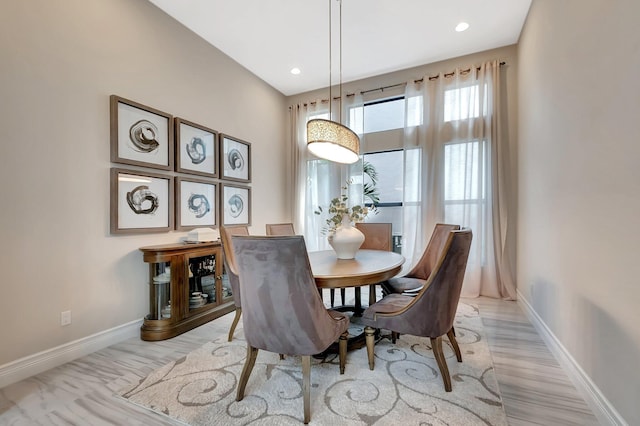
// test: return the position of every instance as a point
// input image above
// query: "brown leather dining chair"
(432, 311)
(232, 271)
(283, 312)
(412, 282)
(377, 236)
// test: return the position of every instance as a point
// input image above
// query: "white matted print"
(197, 205)
(236, 205)
(140, 135)
(140, 202)
(196, 149)
(236, 159)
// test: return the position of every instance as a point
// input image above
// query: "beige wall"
(60, 62)
(579, 140)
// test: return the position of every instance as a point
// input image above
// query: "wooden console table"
(187, 288)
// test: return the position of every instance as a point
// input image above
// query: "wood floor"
(535, 390)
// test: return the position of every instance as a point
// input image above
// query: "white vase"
(346, 239)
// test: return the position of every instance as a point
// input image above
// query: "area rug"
(404, 388)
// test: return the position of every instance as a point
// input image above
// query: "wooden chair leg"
(343, 294)
(252, 354)
(436, 345)
(306, 386)
(332, 294)
(342, 350)
(394, 336)
(369, 339)
(451, 334)
(234, 324)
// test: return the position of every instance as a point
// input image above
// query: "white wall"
(60, 62)
(579, 151)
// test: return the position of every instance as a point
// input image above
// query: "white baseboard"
(34, 364)
(599, 404)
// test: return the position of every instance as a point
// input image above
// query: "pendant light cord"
(340, 58)
(330, 67)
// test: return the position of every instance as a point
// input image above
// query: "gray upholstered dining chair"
(232, 271)
(432, 311)
(280, 229)
(377, 236)
(283, 311)
(275, 229)
(412, 282)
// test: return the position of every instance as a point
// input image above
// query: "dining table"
(369, 267)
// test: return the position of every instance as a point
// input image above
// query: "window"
(389, 167)
(463, 103)
(465, 186)
(385, 114)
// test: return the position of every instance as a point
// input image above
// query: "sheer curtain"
(317, 181)
(456, 171)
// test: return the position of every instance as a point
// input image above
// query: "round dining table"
(369, 267)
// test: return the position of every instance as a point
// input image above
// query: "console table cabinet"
(187, 288)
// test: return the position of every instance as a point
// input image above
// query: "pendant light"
(329, 139)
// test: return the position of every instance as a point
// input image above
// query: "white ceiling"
(269, 37)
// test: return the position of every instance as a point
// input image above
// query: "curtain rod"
(435, 77)
(383, 88)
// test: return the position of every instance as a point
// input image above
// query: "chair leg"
(342, 350)
(306, 386)
(252, 354)
(332, 293)
(234, 324)
(436, 345)
(394, 336)
(369, 336)
(451, 334)
(343, 294)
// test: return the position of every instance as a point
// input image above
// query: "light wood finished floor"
(534, 388)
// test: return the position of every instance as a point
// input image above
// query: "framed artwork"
(196, 204)
(235, 157)
(196, 149)
(141, 202)
(140, 135)
(235, 205)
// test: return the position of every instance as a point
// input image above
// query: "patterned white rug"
(405, 387)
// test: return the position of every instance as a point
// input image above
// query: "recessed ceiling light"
(462, 26)
(295, 71)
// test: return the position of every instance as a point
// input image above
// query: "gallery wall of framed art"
(198, 177)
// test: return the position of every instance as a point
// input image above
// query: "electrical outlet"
(65, 318)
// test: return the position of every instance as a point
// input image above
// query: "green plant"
(369, 189)
(338, 208)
